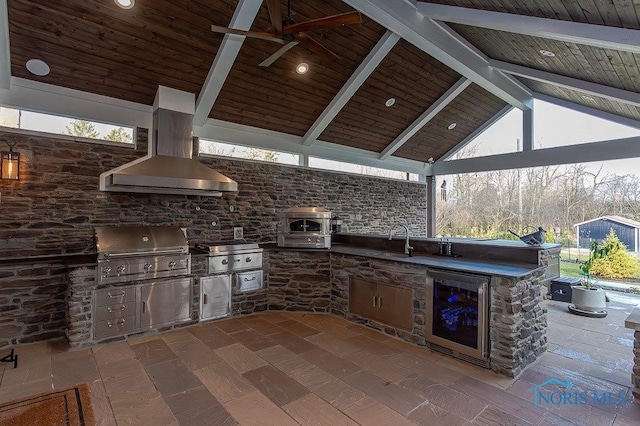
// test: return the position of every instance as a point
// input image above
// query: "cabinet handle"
(144, 307)
(204, 299)
(374, 301)
(121, 322)
(247, 279)
(119, 294)
(110, 309)
(379, 302)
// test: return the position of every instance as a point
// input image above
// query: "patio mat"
(64, 407)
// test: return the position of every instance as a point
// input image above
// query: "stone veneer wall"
(56, 204)
(32, 305)
(517, 323)
(393, 273)
(635, 376)
(298, 280)
(82, 282)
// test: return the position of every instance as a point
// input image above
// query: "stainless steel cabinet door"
(165, 302)
(215, 296)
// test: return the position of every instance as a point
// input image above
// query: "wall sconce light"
(10, 162)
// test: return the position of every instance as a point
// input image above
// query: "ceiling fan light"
(302, 68)
(125, 4)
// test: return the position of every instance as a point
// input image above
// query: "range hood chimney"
(169, 168)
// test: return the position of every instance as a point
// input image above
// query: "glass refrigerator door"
(455, 311)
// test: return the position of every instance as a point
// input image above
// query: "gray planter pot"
(593, 299)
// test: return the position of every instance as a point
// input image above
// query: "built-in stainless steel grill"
(233, 266)
(144, 279)
(132, 253)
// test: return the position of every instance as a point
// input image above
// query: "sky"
(45, 122)
(557, 126)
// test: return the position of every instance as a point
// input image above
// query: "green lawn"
(570, 269)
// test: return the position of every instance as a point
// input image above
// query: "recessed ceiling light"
(452, 126)
(587, 98)
(125, 4)
(302, 68)
(547, 53)
(390, 102)
(38, 67)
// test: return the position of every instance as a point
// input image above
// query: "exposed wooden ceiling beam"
(504, 111)
(595, 89)
(615, 149)
(425, 117)
(442, 44)
(364, 70)
(5, 55)
(574, 32)
(267, 139)
(243, 17)
(615, 118)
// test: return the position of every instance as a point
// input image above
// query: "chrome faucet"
(407, 248)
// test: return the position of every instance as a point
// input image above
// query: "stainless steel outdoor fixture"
(407, 247)
(305, 227)
(143, 279)
(169, 168)
(457, 320)
(231, 265)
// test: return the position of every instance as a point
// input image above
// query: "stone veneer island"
(633, 322)
(316, 280)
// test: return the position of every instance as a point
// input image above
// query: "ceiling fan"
(289, 33)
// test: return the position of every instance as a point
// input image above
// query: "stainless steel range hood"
(169, 167)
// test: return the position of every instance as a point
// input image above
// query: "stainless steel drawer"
(234, 262)
(247, 281)
(114, 327)
(115, 311)
(115, 295)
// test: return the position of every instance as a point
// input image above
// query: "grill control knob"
(172, 264)
(121, 269)
(147, 267)
(308, 240)
(106, 270)
(248, 259)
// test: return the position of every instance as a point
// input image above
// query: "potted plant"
(587, 299)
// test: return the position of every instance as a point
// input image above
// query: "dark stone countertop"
(75, 260)
(477, 266)
(442, 262)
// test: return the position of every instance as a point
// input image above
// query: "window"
(321, 163)
(39, 122)
(230, 150)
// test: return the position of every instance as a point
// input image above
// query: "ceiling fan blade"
(284, 49)
(252, 34)
(275, 15)
(348, 18)
(311, 44)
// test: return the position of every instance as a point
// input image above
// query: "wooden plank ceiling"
(97, 47)
(612, 68)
